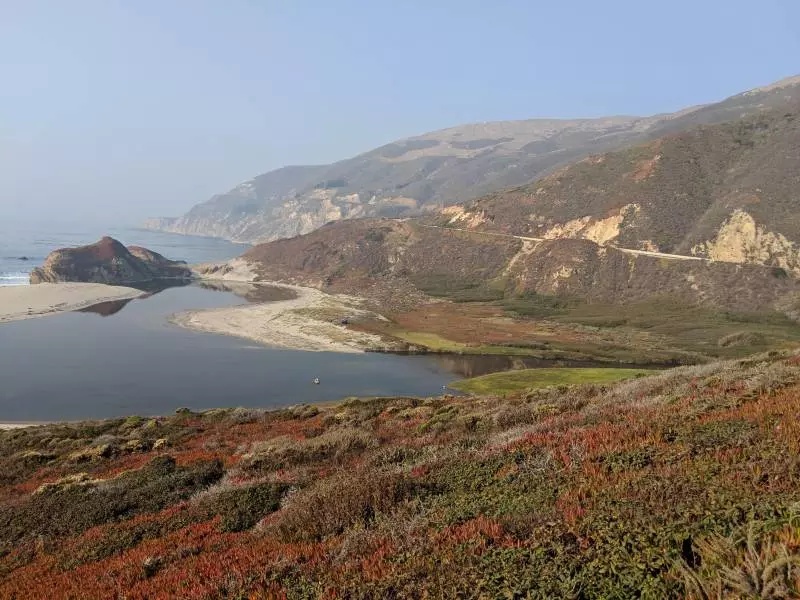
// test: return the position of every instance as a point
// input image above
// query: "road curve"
(533, 239)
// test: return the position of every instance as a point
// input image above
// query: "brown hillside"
(728, 192)
(425, 173)
(379, 258)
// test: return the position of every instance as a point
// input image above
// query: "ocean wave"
(14, 278)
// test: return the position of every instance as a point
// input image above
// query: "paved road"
(533, 239)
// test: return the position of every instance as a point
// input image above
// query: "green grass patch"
(458, 289)
(513, 381)
(436, 343)
(682, 327)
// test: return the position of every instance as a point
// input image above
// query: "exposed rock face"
(727, 192)
(425, 173)
(108, 261)
(392, 260)
(159, 223)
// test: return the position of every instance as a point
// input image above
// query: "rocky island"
(108, 261)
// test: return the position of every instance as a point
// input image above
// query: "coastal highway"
(533, 239)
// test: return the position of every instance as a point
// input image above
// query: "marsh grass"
(514, 381)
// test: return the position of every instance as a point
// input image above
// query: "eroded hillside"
(428, 172)
(727, 192)
(379, 257)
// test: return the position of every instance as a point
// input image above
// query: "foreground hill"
(682, 484)
(437, 169)
(726, 192)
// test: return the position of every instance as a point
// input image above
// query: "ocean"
(25, 246)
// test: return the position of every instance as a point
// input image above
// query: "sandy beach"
(308, 322)
(29, 301)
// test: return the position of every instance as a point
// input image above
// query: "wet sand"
(29, 301)
(310, 322)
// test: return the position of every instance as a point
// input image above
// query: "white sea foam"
(18, 278)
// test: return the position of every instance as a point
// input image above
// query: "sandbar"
(19, 302)
(311, 321)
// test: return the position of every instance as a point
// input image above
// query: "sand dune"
(28, 301)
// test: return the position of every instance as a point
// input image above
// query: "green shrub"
(68, 510)
(242, 507)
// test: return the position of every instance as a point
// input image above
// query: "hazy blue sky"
(122, 109)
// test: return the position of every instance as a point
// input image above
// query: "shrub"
(742, 338)
(341, 501)
(67, 510)
(334, 444)
(242, 507)
(743, 565)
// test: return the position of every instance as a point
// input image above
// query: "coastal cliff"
(108, 261)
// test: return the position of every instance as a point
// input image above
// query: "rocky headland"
(108, 261)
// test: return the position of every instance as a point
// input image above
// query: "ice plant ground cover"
(684, 483)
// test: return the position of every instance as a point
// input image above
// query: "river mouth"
(121, 358)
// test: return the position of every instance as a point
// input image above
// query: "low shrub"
(334, 444)
(342, 501)
(72, 509)
(242, 507)
(742, 338)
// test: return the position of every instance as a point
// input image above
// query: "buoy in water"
(316, 380)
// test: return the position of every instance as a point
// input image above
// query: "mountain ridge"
(433, 170)
(726, 192)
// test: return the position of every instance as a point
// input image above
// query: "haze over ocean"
(25, 245)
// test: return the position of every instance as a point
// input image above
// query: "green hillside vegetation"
(514, 381)
(705, 331)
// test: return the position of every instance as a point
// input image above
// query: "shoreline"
(22, 302)
(10, 426)
(308, 322)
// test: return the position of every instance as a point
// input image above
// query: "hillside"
(377, 257)
(727, 192)
(463, 292)
(683, 484)
(427, 172)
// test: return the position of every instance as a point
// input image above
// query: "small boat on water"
(316, 380)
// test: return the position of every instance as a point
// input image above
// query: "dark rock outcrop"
(108, 261)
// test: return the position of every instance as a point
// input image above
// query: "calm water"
(125, 358)
(122, 358)
(25, 246)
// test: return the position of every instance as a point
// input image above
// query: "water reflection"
(250, 291)
(112, 307)
(157, 286)
(475, 365)
(106, 309)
